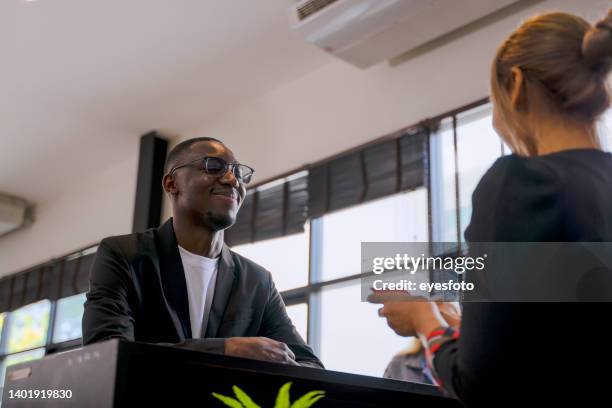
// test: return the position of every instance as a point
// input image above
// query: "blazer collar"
(175, 286)
(173, 280)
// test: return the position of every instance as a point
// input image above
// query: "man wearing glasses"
(181, 284)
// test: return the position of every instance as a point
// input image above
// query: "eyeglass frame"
(227, 167)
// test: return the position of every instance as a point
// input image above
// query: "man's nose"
(230, 178)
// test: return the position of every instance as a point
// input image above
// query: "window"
(2, 316)
(19, 358)
(286, 258)
(298, 314)
(605, 130)
(350, 336)
(443, 184)
(68, 316)
(354, 338)
(401, 217)
(477, 148)
(27, 327)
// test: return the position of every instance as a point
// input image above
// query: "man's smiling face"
(209, 200)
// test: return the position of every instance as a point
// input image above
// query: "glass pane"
(286, 258)
(2, 316)
(605, 130)
(354, 338)
(506, 149)
(19, 358)
(443, 159)
(299, 316)
(399, 218)
(478, 146)
(27, 327)
(68, 317)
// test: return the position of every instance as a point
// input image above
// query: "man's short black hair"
(177, 153)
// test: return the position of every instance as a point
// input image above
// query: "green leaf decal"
(244, 398)
(282, 399)
(307, 400)
(228, 401)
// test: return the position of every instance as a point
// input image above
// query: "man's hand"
(259, 348)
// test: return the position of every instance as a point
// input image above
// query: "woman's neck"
(551, 136)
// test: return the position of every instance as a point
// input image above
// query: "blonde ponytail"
(563, 58)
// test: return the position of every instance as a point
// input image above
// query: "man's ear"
(517, 91)
(169, 184)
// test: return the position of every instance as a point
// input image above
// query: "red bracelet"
(435, 339)
(447, 331)
(440, 331)
(439, 336)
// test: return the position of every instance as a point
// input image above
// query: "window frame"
(48, 346)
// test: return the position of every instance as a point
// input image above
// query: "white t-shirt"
(200, 277)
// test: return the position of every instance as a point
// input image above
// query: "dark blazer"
(138, 292)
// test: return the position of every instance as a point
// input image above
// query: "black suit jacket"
(138, 292)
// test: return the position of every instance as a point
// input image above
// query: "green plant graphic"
(242, 399)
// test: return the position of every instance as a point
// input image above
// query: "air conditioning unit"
(14, 213)
(364, 32)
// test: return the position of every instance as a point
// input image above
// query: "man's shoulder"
(253, 269)
(129, 245)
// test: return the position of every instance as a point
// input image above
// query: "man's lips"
(229, 195)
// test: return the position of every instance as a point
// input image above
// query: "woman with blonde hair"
(549, 87)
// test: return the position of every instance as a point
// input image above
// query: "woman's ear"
(517, 91)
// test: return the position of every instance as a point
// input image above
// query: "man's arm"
(108, 313)
(277, 326)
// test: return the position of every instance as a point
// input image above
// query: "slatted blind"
(379, 170)
(271, 212)
(52, 280)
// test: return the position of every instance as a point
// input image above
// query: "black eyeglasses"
(216, 166)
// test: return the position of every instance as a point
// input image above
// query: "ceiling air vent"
(308, 8)
(15, 213)
(365, 32)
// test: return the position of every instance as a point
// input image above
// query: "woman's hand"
(408, 316)
(451, 313)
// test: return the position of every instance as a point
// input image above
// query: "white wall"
(81, 215)
(327, 111)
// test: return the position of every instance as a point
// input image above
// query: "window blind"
(378, 170)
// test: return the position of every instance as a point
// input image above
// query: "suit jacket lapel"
(173, 279)
(226, 277)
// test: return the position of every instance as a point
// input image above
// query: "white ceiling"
(81, 80)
